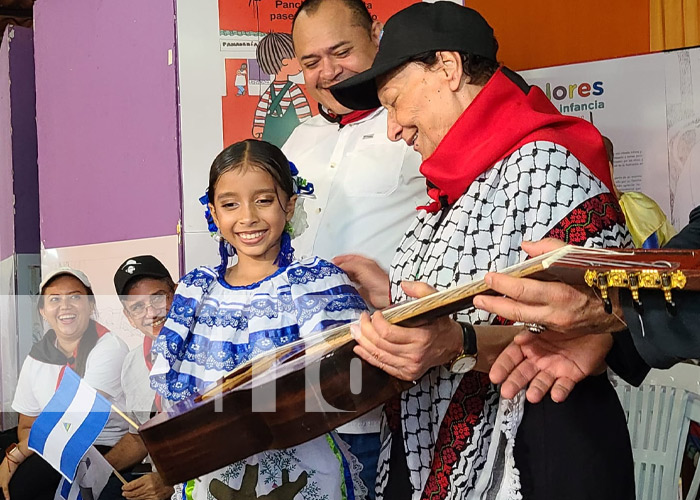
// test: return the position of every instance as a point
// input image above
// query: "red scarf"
(342, 120)
(355, 116)
(501, 119)
(147, 345)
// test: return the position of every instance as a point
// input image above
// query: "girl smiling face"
(67, 307)
(251, 212)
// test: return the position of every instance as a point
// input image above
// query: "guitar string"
(575, 256)
(337, 333)
(595, 291)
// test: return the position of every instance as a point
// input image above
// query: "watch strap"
(468, 338)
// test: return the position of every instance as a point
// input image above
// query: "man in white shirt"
(366, 187)
(145, 289)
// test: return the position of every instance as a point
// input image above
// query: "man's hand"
(407, 353)
(549, 361)
(371, 280)
(557, 306)
(147, 487)
(258, 131)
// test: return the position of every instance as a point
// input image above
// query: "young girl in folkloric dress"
(226, 316)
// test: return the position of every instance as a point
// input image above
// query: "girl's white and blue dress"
(212, 327)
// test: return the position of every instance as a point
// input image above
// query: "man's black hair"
(360, 14)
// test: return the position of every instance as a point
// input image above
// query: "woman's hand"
(147, 487)
(15, 455)
(7, 469)
(371, 280)
(407, 353)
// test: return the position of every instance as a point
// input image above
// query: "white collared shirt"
(366, 191)
(366, 187)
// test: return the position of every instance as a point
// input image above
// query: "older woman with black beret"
(502, 166)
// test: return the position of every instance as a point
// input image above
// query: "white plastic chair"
(658, 415)
(694, 416)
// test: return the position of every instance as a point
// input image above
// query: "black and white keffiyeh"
(458, 435)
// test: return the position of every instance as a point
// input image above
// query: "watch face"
(463, 364)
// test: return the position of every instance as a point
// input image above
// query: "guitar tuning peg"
(638, 306)
(671, 307)
(607, 305)
(666, 285)
(633, 283)
(602, 283)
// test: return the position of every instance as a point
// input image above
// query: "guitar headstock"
(637, 269)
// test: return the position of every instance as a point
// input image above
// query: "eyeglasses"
(156, 301)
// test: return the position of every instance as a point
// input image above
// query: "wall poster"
(239, 78)
(649, 106)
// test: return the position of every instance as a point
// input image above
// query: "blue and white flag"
(91, 478)
(69, 424)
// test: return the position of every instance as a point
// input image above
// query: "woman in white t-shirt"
(74, 339)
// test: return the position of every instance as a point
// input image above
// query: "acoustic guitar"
(302, 390)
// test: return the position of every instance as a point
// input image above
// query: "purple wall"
(106, 121)
(7, 238)
(24, 142)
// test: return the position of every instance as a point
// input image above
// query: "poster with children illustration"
(256, 40)
(283, 104)
(239, 77)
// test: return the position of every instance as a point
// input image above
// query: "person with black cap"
(145, 289)
(503, 166)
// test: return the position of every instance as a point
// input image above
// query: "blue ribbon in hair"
(301, 185)
(204, 200)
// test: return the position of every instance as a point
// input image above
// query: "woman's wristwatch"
(466, 359)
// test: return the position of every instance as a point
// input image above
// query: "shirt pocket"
(373, 169)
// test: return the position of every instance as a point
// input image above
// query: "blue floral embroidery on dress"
(219, 354)
(340, 298)
(183, 310)
(211, 354)
(302, 275)
(270, 307)
(210, 314)
(169, 344)
(200, 277)
(237, 315)
(345, 303)
(191, 353)
(177, 386)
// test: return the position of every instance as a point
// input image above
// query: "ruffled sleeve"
(171, 345)
(323, 296)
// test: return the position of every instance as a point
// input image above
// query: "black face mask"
(333, 118)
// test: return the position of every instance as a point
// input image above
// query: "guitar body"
(198, 436)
